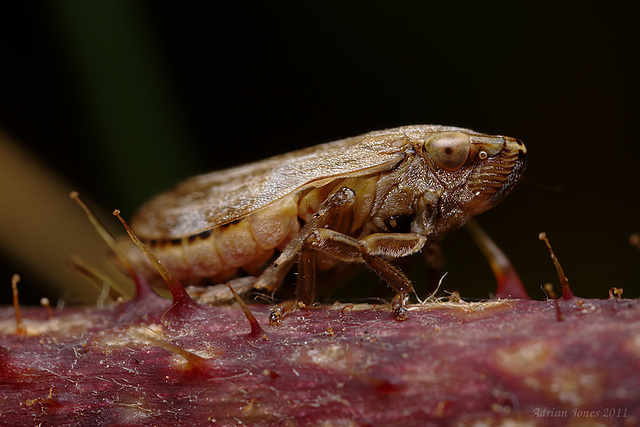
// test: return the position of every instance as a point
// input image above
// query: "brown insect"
(368, 199)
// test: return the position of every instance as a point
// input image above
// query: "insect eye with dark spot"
(399, 223)
(449, 150)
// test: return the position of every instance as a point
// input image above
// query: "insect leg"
(396, 280)
(219, 294)
(340, 201)
(306, 283)
(333, 243)
(369, 250)
(375, 247)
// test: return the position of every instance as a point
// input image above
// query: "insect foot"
(282, 310)
(399, 307)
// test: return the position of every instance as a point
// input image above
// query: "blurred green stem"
(141, 137)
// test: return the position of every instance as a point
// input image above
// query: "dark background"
(124, 99)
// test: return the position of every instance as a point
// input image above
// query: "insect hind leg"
(305, 289)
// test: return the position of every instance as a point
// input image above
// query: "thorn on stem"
(47, 305)
(564, 282)
(548, 288)
(120, 302)
(95, 277)
(142, 287)
(509, 283)
(195, 362)
(182, 302)
(16, 304)
(256, 329)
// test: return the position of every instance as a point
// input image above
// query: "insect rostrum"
(336, 202)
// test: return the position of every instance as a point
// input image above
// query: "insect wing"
(210, 200)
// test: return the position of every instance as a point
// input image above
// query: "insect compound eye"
(450, 150)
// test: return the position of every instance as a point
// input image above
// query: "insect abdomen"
(218, 253)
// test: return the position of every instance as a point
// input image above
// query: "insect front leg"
(376, 247)
(373, 250)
